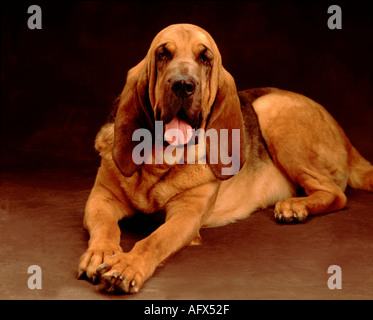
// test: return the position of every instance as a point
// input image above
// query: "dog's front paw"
(291, 210)
(93, 258)
(125, 273)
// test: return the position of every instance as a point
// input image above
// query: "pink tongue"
(180, 136)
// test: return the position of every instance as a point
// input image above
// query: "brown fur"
(289, 142)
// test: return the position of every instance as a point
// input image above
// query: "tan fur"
(306, 148)
(307, 143)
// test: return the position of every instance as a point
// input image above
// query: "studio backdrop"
(59, 81)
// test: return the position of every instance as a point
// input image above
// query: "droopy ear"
(134, 112)
(225, 145)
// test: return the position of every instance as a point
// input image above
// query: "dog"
(282, 142)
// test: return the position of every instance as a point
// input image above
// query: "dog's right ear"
(134, 112)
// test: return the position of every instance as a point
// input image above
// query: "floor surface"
(41, 224)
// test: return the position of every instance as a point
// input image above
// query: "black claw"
(102, 269)
(301, 219)
(95, 279)
(277, 216)
(109, 287)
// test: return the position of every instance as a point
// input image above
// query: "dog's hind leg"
(307, 144)
(323, 195)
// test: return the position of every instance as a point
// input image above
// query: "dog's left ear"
(225, 155)
(134, 112)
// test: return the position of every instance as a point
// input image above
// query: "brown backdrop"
(58, 83)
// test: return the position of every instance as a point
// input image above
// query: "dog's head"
(181, 82)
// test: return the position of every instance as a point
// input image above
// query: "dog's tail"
(361, 171)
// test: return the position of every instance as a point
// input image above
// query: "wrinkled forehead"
(184, 37)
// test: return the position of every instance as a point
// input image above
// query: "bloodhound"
(282, 141)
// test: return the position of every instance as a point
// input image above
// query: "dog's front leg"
(185, 214)
(102, 213)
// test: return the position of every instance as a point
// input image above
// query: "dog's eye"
(205, 60)
(163, 56)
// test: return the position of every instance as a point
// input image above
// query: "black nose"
(183, 86)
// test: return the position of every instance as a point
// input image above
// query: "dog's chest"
(140, 189)
(150, 191)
